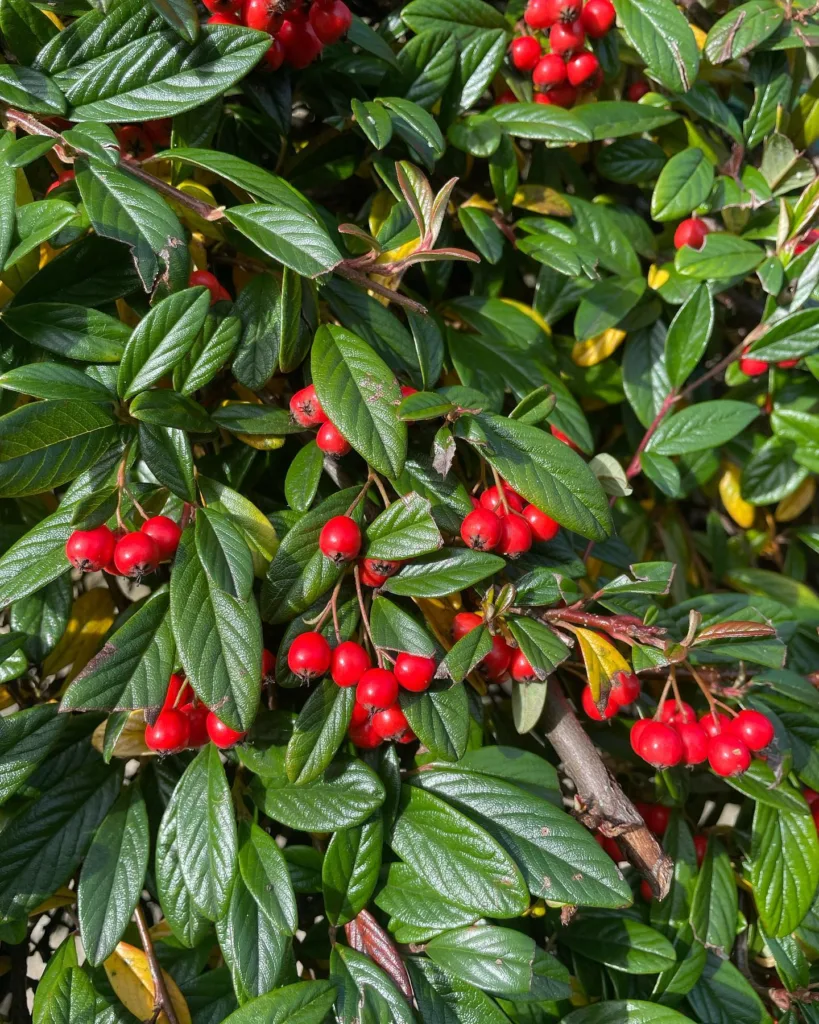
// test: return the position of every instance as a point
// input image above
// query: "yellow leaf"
(795, 504)
(657, 276)
(393, 255)
(380, 207)
(263, 442)
(541, 199)
(603, 661)
(595, 350)
(699, 35)
(161, 930)
(479, 203)
(197, 191)
(196, 247)
(63, 897)
(241, 278)
(130, 742)
(741, 511)
(533, 314)
(91, 617)
(130, 977)
(126, 314)
(52, 17)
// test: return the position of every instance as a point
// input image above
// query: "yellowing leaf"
(541, 199)
(795, 504)
(603, 661)
(91, 617)
(399, 253)
(160, 930)
(130, 742)
(130, 977)
(63, 897)
(699, 35)
(196, 247)
(380, 207)
(197, 191)
(479, 203)
(264, 442)
(657, 276)
(595, 350)
(741, 511)
(533, 314)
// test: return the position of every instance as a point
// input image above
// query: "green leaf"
(224, 553)
(219, 638)
(683, 184)
(442, 997)
(258, 352)
(8, 200)
(181, 15)
(482, 231)
(374, 121)
(28, 89)
(94, 139)
(544, 650)
(132, 669)
(784, 867)
(460, 18)
(612, 119)
(247, 418)
(26, 738)
(688, 335)
(660, 33)
(349, 874)
(36, 223)
(791, 337)
(303, 476)
(625, 1011)
(73, 331)
(720, 256)
(25, 28)
(264, 872)
(360, 395)
(497, 960)
(176, 900)
(306, 1002)
(631, 161)
(319, 731)
(113, 875)
(466, 654)
(714, 906)
(724, 996)
(440, 719)
(42, 617)
(405, 530)
(742, 29)
(206, 833)
(49, 380)
(605, 304)
(536, 121)
(69, 999)
(209, 353)
(37, 558)
(45, 444)
(427, 64)
(163, 408)
(167, 453)
(357, 977)
(700, 426)
(620, 943)
(291, 237)
(396, 630)
(416, 127)
(447, 571)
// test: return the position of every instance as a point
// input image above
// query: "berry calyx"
(414, 672)
(538, 14)
(222, 735)
(714, 723)
(521, 669)
(349, 663)
(305, 408)
(90, 550)
(165, 533)
(135, 555)
(218, 293)
(329, 439)
(498, 660)
(340, 539)
(170, 731)
(463, 623)
(567, 38)
(381, 566)
(752, 367)
(549, 70)
(330, 21)
(134, 142)
(564, 10)
(597, 17)
(636, 90)
(492, 499)
(390, 723)
(377, 689)
(582, 67)
(543, 527)
(481, 529)
(525, 52)
(691, 231)
(365, 736)
(660, 745)
(728, 755)
(515, 536)
(754, 729)
(694, 740)
(372, 579)
(591, 709)
(309, 656)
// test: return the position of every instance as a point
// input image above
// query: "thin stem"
(358, 498)
(364, 617)
(715, 370)
(634, 466)
(334, 606)
(121, 488)
(379, 483)
(672, 675)
(662, 699)
(706, 690)
(136, 504)
(501, 490)
(365, 282)
(162, 1001)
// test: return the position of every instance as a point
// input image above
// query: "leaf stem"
(162, 1001)
(364, 617)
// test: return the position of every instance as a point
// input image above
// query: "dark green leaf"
(620, 943)
(291, 237)
(714, 906)
(306, 1002)
(318, 732)
(440, 719)
(405, 530)
(72, 331)
(497, 960)
(264, 872)
(446, 572)
(683, 184)
(659, 32)
(700, 426)
(350, 871)
(784, 867)
(688, 335)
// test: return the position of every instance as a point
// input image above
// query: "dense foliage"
(409, 428)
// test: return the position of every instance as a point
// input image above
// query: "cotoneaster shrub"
(409, 427)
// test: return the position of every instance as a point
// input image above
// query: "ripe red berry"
(62, 178)
(134, 142)
(700, 848)
(365, 736)
(549, 70)
(656, 816)
(753, 728)
(340, 539)
(543, 527)
(713, 723)
(359, 715)
(558, 96)
(170, 731)
(625, 688)
(636, 90)
(481, 529)
(305, 408)
(672, 712)
(564, 10)
(728, 755)
(491, 499)
(224, 18)
(521, 668)
(463, 623)
(349, 663)
(538, 14)
(582, 67)
(646, 892)
(165, 533)
(525, 52)
(587, 700)
(268, 663)
(515, 537)
(811, 796)
(390, 723)
(694, 741)
(372, 579)
(197, 715)
(223, 6)
(787, 364)
(497, 661)
(330, 21)
(262, 15)
(567, 38)
(222, 735)
(207, 280)
(274, 56)
(309, 656)
(636, 734)
(174, 695)
(329, 439)
(660, 745)
(752, 367)
(815, 815)
(414, 672)
(90, 550)
(558, 435)
(381, 566)
(406, 391)
(136, 554)
(377, 689)
(610, 846)
(507, 96)
(300, 42)
(691, 231)
(597, 17)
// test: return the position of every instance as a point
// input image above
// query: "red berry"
(309, 656)
(223, 6)
(558, 96)
(591, 709)
(558, 435)
(700, 848)
(521, 669)
(134, 142)
(646, 892)
(372, 579)
(300, 42)
(377, 689)
(691, 231)
(222, 735)
(268, 663)
(728, 755)
(526, 51)
(694, 741)
(274, 56)
(566, 38)
(262, 15)
(330, 21)
(165, 533)
(491, 499)
(753, 728)
(340, 539)
(305, 408)
(787, 364)
(543, 527)
(481, 529)
(636, 734)
(359, 715)
(224, 18)
(197, 715)
(636, 90)
(408, 736)
(597, 17)
(507, 96)
(656, 816)
(815, 815)
(625, 689)
(610, 847)
(713, 723)
(90, 550)
(170, 731)
(329, 439)
(564, 10)
(660, 745)
(538, 14)
(752, 367)
(582, 67)
(414, 672)
(365, 736)
(136, 554)
(549, 70)
(217, 292)
(515, 537)
(174, 695)
(463, 623)
(497, 661)
(390, 723)
(811, 796)
(62, 178)
(671, 712)
(406, 391)
(381, 566)
(349, 663)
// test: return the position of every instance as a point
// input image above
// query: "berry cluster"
(300, 32)
(376, 714)
(568, 66)
(500, 522)
(306, 410)
(676, 737)
(624, 691)
(133, 554)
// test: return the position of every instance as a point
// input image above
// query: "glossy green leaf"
(688, 335)
(73, 331)
(319, 731)
(349, 874)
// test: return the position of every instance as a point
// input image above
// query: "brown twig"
(380, 289)
(162, 1001)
